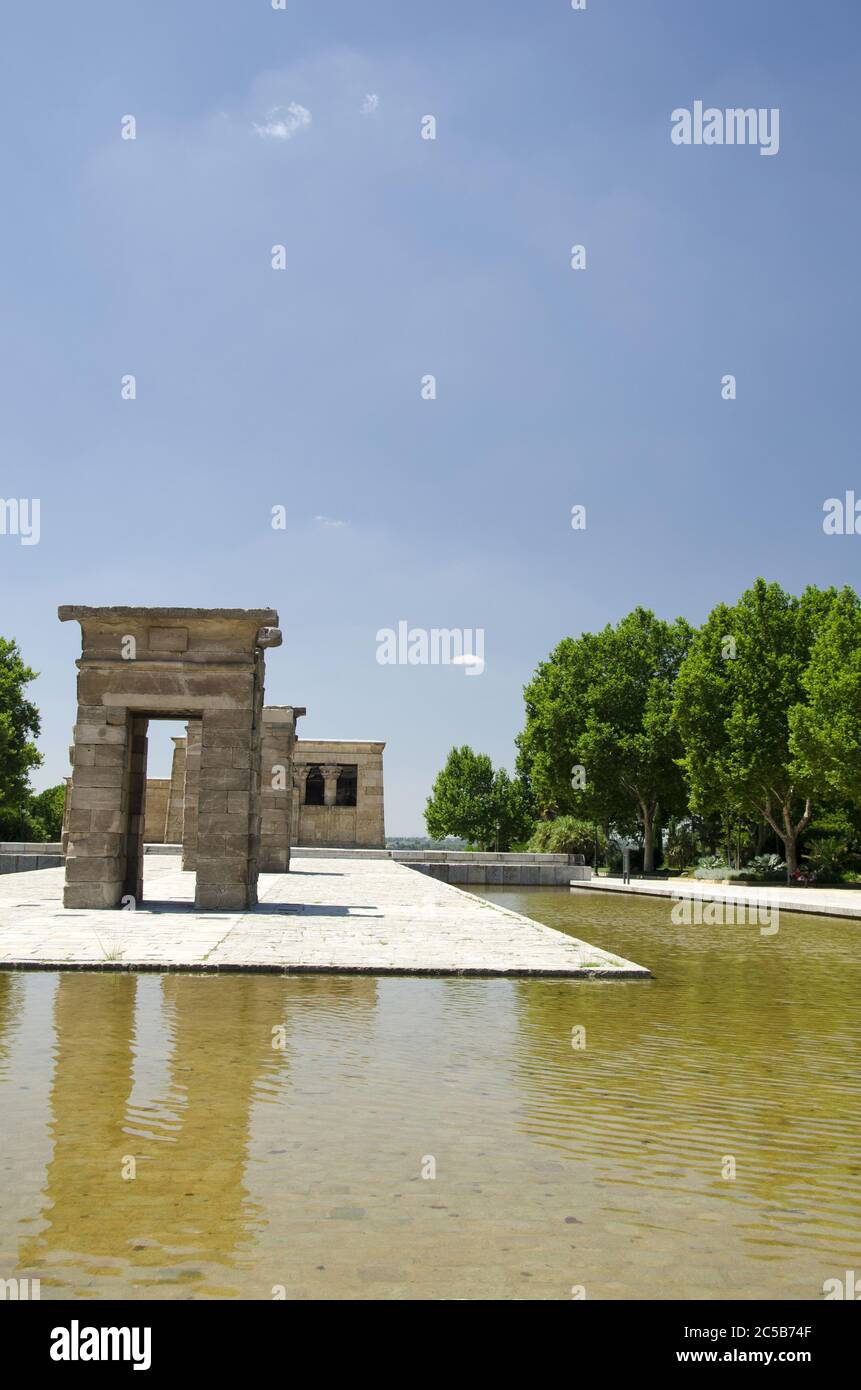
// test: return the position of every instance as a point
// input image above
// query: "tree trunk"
(788, 832)
(648, 839)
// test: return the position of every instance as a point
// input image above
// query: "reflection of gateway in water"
(188, 1201)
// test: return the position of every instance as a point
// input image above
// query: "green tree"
(735, 696)
(599, 741)
(471, 800)
(45, 813)
(825, 732)
(19, 725)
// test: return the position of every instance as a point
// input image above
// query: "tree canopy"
(482, 805)
(738, 694)
(600, 741)
(19, 725)
(825, 731)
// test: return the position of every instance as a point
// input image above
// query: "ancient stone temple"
(326, 793)
(205, 665)
(338, 794)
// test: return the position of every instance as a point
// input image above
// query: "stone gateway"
(200, 664)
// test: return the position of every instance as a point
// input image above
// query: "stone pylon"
(137, 664)
(279, 740)
(176, 796)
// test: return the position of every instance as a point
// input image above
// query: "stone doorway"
(204, 665)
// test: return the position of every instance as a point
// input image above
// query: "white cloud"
(282, 124)
(370, 103)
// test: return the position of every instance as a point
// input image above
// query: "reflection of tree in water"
(11, 1003)
(582, 1101)
(740, 1046)
(188, 1205)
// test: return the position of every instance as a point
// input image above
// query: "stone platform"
(821, 902)
(338, 915)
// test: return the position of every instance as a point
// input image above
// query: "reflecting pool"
(186, 1136)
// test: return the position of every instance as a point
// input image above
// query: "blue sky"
(405, 257)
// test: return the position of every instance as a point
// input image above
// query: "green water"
(300, 1166)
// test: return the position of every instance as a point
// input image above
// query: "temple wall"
(362, 825)
(155, 810)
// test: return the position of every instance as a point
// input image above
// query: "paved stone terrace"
(338, 915)
(823, 902)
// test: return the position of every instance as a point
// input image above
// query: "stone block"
(238, 720)
(102, 843)
(92, 895)
(236, 843)
(93, 868)
(96, 777)
(100, 733)
(224, 869)
(223, 897)
(167, 639)
(107, 755)
(224, 738)
(230, 779)
(96, 798)
(93, 714)
(216, 759)
(277, 861)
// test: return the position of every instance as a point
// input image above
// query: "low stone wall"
(22, 863)
(30, 847)
(507, 875)
(436, 856)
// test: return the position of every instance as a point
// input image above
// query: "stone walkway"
(337, 915)
(823, 902)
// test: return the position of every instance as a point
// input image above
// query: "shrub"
(828, 856)
(567, 835)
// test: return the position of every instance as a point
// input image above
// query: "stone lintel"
(74, 612)
(161, 662)
(315, 750)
